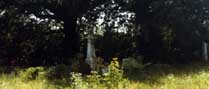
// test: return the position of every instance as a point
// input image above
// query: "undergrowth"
(154, 77)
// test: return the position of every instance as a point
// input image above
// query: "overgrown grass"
(152, 77)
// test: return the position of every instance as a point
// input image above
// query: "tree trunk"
(90, 50)
(140, 9)
(205, 51)
(71, 41)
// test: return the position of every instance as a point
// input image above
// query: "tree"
(63, 12)
(66, 11)
(169, 27)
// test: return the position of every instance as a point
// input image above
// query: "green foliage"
(133, 66)
(112, 79)
(36, 34)
(58, 72)
(78, 82)
(61, 75)
(114, 74)
(192, 77)
(169, 32)
(94, 80)
(32, 73)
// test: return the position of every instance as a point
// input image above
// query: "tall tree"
(62, 10)
(183, 20)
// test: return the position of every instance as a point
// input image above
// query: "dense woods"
(51, 32)
(104, 44)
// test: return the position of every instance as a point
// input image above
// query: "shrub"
(79, 65)
(114, 74)
(32, 73)
(113, 79)
(93, 80)
(58, 72)
(133, 65)
(78, 82)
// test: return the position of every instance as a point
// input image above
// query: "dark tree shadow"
(153, 73)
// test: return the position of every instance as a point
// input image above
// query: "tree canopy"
(49, 32)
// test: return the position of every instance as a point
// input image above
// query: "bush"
(78, 81)
(32, 73)
(113, 79)
(114, 74)
(93, 80)
(58, 72)
(61, 76)
(133, 65)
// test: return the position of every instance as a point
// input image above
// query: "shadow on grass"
(149, 75)
(153, 73)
